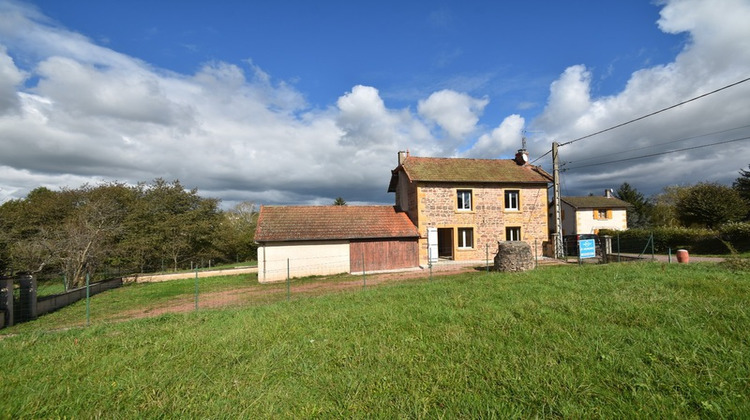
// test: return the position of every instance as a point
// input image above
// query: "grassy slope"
(643, 340)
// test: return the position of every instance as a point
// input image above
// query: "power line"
(548, 152)
(658, 144)
(656, 112)
(660, 153)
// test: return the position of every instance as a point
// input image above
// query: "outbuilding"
(299, 241)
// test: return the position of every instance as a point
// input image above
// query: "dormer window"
(463, 198)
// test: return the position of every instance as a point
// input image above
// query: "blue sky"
(295, 102)
(510, 51)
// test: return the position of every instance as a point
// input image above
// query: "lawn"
(619, 340)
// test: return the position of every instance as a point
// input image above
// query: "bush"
(733, 236)
(737, 264)
(738, 234)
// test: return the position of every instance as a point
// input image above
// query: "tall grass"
(643, 340)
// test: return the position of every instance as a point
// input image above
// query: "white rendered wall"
(305, 259)
(585, 222)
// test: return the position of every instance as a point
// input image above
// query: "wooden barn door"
(383, 254)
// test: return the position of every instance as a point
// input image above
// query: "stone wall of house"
(488, 218)
(406, 196)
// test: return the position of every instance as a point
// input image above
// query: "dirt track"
(241, 296)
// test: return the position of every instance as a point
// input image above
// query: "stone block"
(513, 256)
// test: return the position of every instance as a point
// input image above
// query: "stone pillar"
(6, 302)
(606, 248)
(27, 297)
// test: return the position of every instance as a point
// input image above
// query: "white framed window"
(511, 200)
(463, 199)
(465, 238)
(512, 233)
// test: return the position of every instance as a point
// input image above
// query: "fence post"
(487, 256)
(536, 254)
(429, 262)
(196, 288)
(27, 282)
(364, 276)
(618, 246)
(88, 299)
(6, 302)
(653, 256)
(669, 255)
(287, 280)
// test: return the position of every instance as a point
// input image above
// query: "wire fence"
(295, 278)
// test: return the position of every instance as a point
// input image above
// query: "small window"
(512, 233)
(511, 200)
(602, 214)
(464, 200)
(465, 238)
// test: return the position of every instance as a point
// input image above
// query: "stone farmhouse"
(445, 209)
(462, 207)
(592, 213)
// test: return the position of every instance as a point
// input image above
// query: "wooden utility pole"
(556, 201)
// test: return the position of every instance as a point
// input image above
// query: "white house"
(593, 213)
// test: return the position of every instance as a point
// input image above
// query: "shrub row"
(734, 236)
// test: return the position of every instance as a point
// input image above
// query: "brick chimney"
(522, 157)
(402, 155)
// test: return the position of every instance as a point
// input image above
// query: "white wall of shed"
(311, 258)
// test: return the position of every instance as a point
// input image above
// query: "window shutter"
(609, 214)
(596, 214)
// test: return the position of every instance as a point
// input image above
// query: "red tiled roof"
(598, 202)
(305, 223)
(469, 170)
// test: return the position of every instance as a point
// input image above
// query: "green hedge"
(700, 241)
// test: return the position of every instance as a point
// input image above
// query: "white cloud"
(503, 138)
(717, 54)
(72, 111)
(10, 78)
(456, 113)
(569, 100)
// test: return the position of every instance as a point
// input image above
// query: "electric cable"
(657, 112)
(657, 154)
(656, 145)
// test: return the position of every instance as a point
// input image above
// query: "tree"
(29, 227)
(339, 201)
(742, 186)
(639, 215)
(710, 205)
(80, 231)
(236, 241)
(177, 222)
(86, 238)
(664, 206)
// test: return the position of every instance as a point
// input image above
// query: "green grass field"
(622, 340)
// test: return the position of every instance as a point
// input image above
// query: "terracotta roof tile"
(469, 170)
(595, 202)
(300, 223)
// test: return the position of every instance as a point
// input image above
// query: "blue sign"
(587, 248)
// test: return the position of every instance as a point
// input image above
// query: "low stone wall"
(149, 278)
(51, 303)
